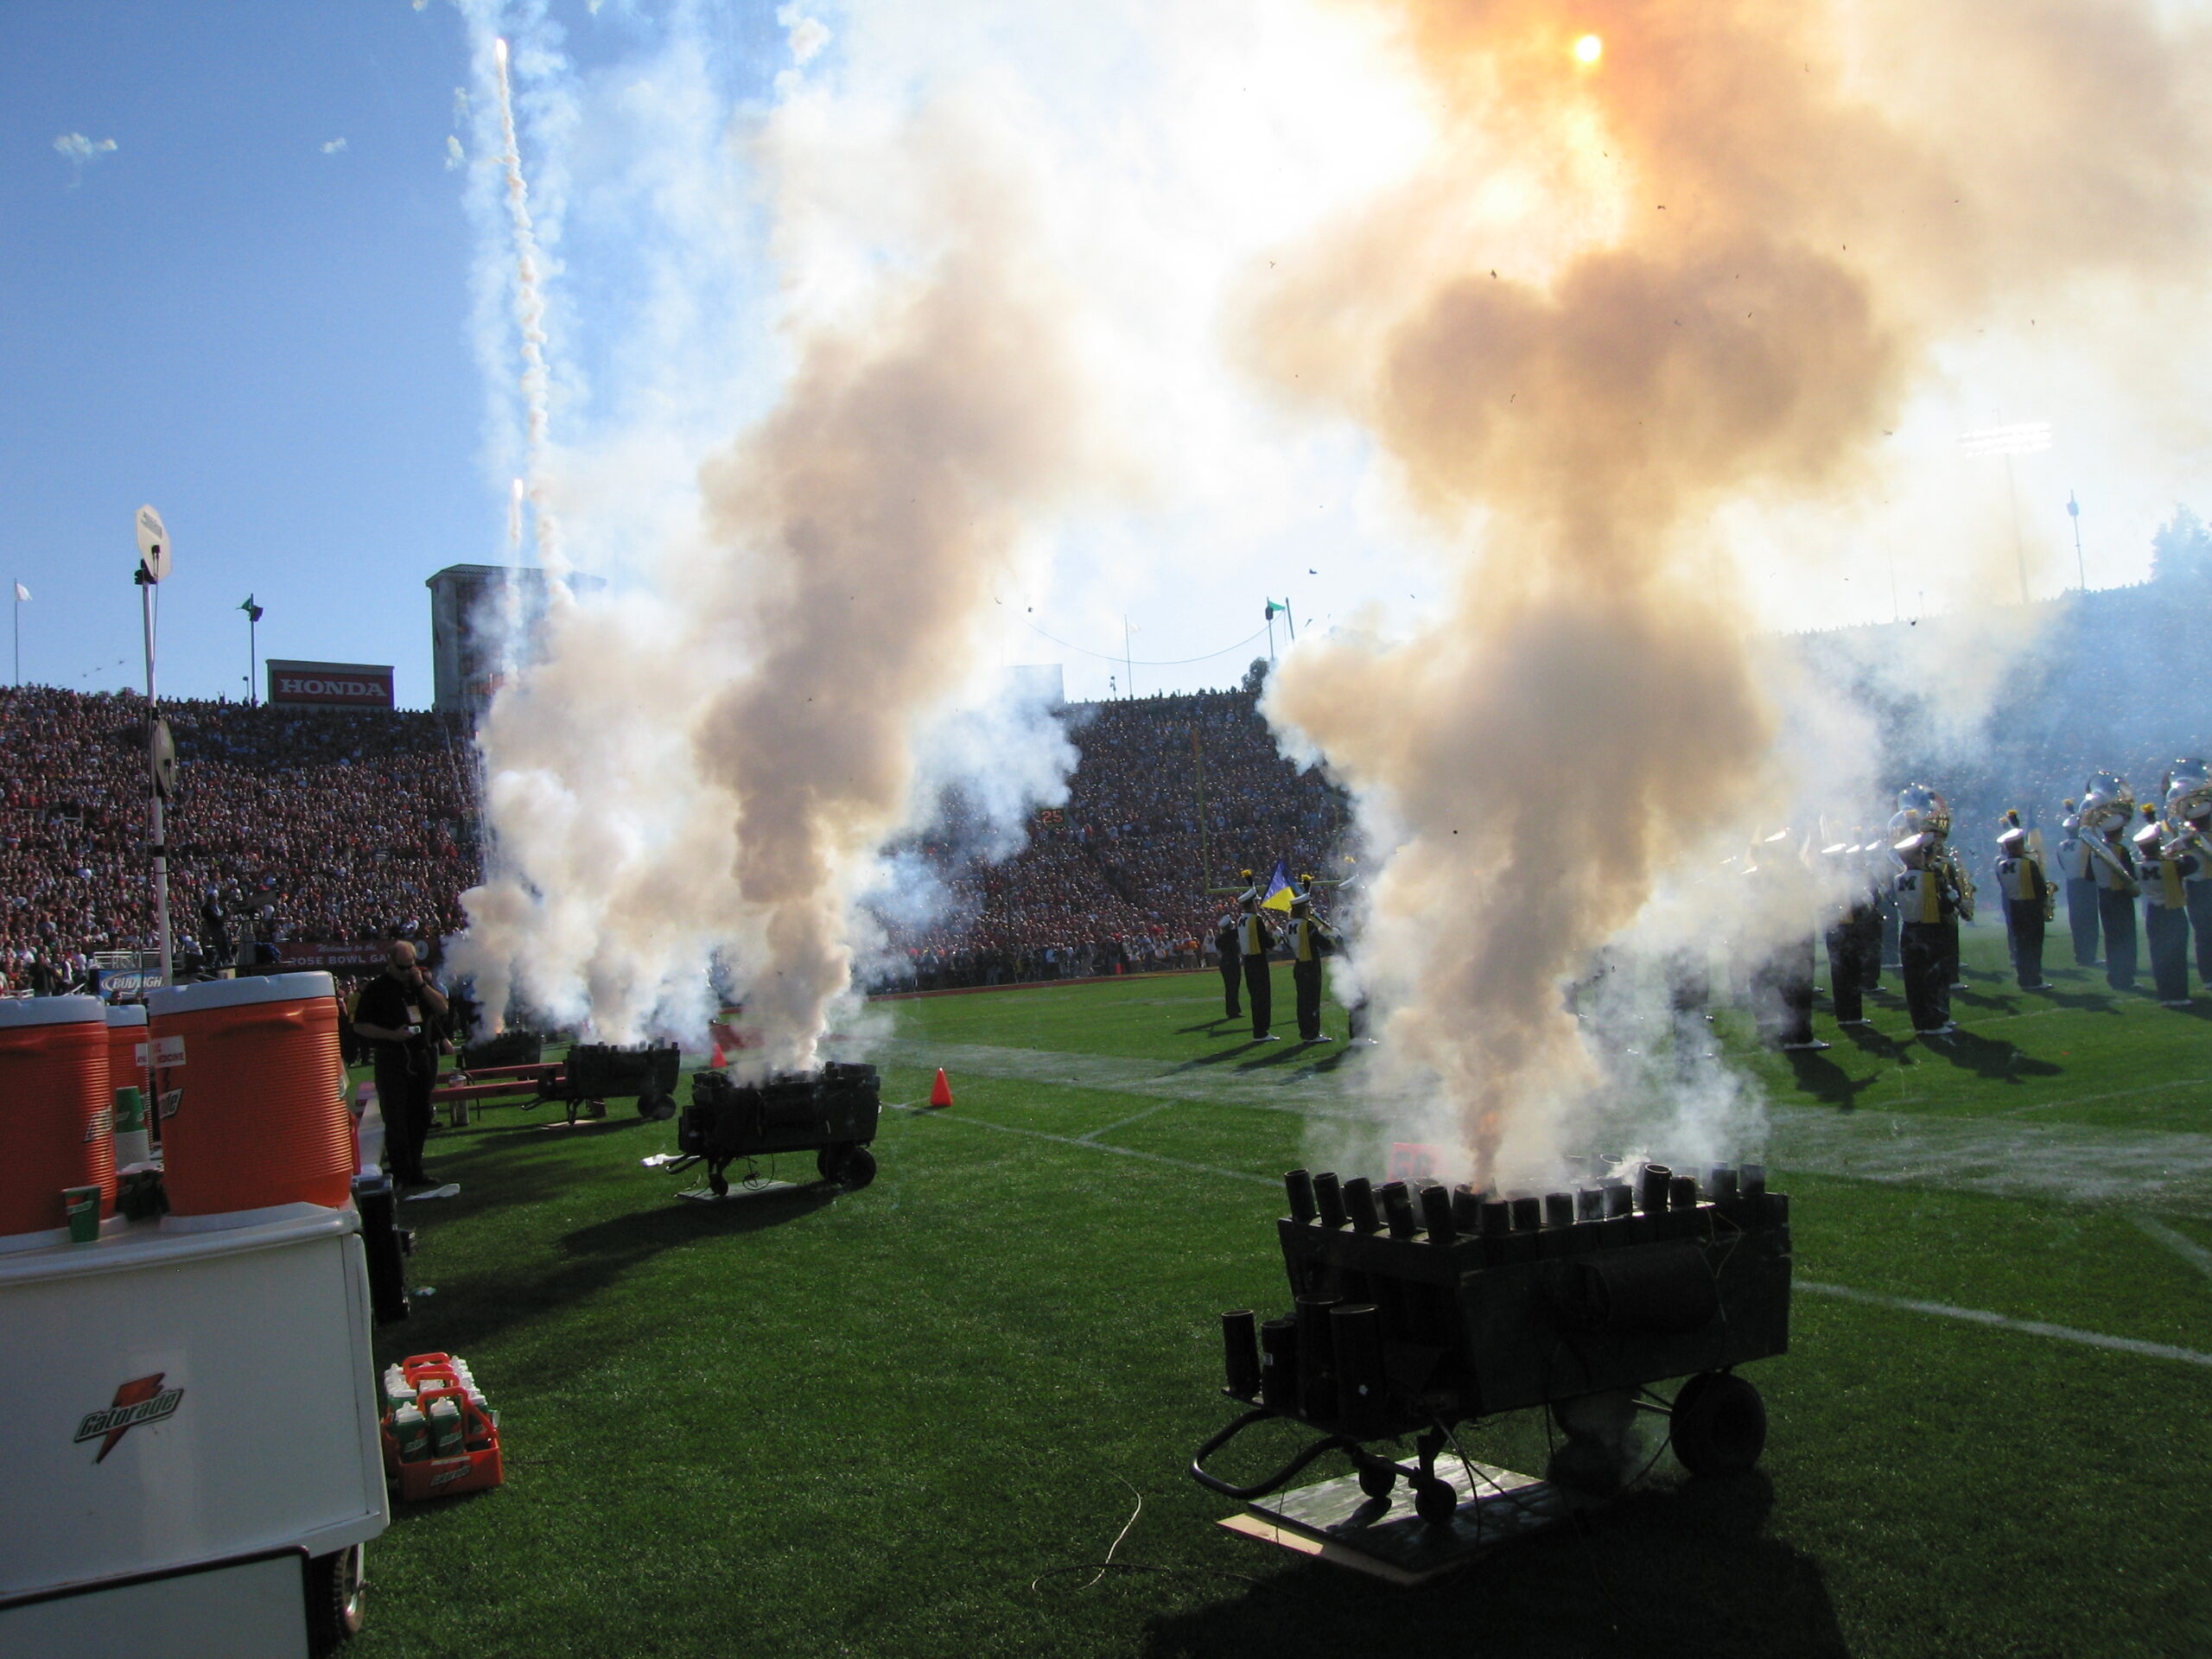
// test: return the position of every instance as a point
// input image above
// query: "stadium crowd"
(1115, 879)
(318, 825)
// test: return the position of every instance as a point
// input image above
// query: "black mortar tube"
(1299, 1187)
(1330, 1197)
(1652, 1188)
(1589, 1202)
(1754, 1180)
(1317, 1362)
(1356, 1338)
(1279, 1364)
(1559, 1208)
(1241, 1352)
(1359, 1204)
(1467, 1208)
(1398, 1210)
(1528, 1214)
(1721, 1184)
(1436, 1212)
(1620, 1199)
(1681, 1193)
(1497, 1217)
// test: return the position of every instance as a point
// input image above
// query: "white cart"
(189, 1455)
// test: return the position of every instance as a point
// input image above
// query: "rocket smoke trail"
(530, 320)
(1704, 261)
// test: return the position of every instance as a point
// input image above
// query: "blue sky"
(234, 317)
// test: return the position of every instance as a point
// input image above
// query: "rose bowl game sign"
(329, 685)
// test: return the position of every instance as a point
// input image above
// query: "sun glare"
(1589, 48)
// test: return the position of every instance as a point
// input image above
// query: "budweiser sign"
(330, 685)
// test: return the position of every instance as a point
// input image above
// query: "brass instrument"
(2108, 803)
(2189, 806)
(1920, 808)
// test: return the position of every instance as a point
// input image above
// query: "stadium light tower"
(161, 755)
(2022, 438)
(2074, 511)
(253, 613)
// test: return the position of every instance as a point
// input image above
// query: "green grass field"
(864, 1424)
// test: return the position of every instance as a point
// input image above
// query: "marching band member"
(1879, 868)
(1924, 899)
(1854, 935)
(1253, 939)
(1226, 946)
(2075, 868)
(2028, 897)
(1781, 983)
(2163, 866)
(1311, 939)
(2189, 815)
(2107, 812)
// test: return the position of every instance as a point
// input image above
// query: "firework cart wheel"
(1375, 1479)
(718, 1183)
(1720, 1424)
(1435, 1501)
(851, 1166)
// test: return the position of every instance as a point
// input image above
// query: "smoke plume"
(1707, 263)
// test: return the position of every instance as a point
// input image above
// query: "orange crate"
(472, 1469)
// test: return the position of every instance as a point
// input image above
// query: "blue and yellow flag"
(1279, 893)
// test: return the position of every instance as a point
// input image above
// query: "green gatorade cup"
(83, 1204)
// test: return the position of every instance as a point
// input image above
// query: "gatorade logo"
(141, 1400)
(97, 1124)
(462, 1466)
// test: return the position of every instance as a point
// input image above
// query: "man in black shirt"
(394, 1016)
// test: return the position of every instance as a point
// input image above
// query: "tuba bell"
(2107, 804)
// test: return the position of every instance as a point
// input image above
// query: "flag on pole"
(23, 593)
(1279, 893)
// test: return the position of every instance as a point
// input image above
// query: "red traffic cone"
(940, 1092)
(718, 1062)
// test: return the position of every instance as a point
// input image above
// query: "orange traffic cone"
(718, 1062)
(940, 1092)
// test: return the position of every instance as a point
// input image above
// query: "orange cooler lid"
(237, 993)
(53, 1010)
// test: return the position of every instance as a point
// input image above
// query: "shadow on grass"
(1822, 1079)
(1986, 1057)
(1684, 1571)
(1882, 1047)
(1214, 1058)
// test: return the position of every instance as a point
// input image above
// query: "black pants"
(1229, 1006)
(403, 1084)
(1892, 947)
(1306, 980)
(1782, 989)
(2165, 930)
(1927, 986)
(1847, 968)
(2023, 921)
(2116, 920)
(1356, 1019)
(1260, 993)
(1952, 973)
(2200, 922)
(2082, 919)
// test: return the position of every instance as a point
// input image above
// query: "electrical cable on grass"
(1100, 1569)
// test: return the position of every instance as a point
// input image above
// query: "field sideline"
(864, 1424)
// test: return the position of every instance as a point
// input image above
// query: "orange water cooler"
(250, 1092)
(55, 1115)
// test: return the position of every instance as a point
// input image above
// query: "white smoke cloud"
(334, 146)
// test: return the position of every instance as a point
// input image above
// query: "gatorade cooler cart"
(189, 1459)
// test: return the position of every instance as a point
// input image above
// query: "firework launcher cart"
(1419, 1309)
(832, 1113)
(595, 1073)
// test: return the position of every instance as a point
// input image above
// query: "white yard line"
(2005, 1322)
(1123, 1123)
(2180, 1243)
(1092, 1145)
